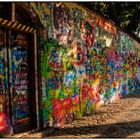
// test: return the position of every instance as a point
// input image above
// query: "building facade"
(60, 61)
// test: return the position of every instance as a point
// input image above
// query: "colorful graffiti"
(62, 20)
(59, 100)
(19, 78)
(44, 11)
(3, 85)
(3, 122)
(87, 64)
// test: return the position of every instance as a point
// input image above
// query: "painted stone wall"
(85, 63)
(3, 84)
(19, 76)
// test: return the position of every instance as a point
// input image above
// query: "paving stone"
(119, 119)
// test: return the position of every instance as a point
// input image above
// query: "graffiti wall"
(3, 84)
(87, 63)
(20, 83)
(15, 96)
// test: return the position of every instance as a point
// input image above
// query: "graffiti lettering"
(87, 64)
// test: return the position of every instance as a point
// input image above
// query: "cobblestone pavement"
(120, 119)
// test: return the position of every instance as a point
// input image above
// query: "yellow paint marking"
(23, 27)
(14, 25)
(4, 22)
(9, 23)
(19, 26)
(27, 28)
(1, 19)
(31, 29)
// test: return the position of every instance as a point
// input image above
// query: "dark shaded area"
(115, 130)
(132, 95)
(5, 10)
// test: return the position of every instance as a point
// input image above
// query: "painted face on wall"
(78, 55)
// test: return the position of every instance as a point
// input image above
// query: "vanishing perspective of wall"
(85, 62)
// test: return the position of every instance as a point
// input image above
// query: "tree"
(125, 15)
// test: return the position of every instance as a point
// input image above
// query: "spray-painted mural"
(15, 94)
(3, 84)
(86, 64)
(20, 83)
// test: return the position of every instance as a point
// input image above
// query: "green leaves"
(124, 14)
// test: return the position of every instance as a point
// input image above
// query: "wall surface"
(85, 63)
(3, 83)
(16, 71)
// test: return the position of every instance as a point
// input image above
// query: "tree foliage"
(125, 15)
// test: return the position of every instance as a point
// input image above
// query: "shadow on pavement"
(131, 95)
(116, 130)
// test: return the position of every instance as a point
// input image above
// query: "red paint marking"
(3, 122)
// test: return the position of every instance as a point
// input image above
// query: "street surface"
(120, 119)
